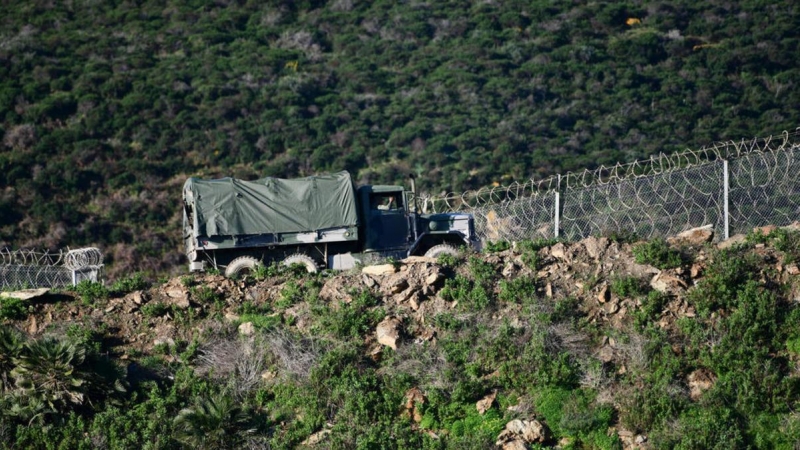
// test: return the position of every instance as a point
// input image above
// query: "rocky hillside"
(603, 343)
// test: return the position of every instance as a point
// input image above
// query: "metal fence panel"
(655, 205)
(23, 269)
(516, 220)
(765, 190)
(733, 186)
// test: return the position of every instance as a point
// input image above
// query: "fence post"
(557, 215)
(726, 193)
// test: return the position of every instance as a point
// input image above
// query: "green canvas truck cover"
(230, 207)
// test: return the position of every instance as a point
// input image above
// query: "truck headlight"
(433, 226)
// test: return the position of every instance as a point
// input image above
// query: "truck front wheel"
(241, 265)
(303, 259)
(441, 249)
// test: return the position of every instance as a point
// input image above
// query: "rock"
(419, 260)
(606, 354)
(604, 295)
(792, 269)
(25, 294)
(700, 381)
(335, 290)
(414, 400)
(529, 431)
(269, 375)
(731, 241)
(515, 444)
(695, 236)
(315, 438)
(382, 269)
(137, 297)
(231, 317)
(486, 403)
(388, 333)
(246, 328)
(413, 301)
(765, 230)
(611, 307)
(369, 281)
(509, 269)
(595, 246)
(396, 285)
(558, 251)
(664, 282)
(696, 270)
(433, 278)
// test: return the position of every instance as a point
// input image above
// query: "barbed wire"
(25, 268)
(71, 259)
(655, 165)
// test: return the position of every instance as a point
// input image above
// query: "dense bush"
(101, 128)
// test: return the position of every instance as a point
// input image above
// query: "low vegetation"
(598, 357)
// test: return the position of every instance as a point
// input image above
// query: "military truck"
(319, 221)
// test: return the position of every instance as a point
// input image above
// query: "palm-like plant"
(11, 345)
(215, 422)
(49, 370)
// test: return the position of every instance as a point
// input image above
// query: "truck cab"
(387, 224)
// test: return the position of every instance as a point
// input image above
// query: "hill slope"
(594, 344)
(105, 107)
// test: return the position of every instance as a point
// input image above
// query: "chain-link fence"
(23, 269)
(732, 186)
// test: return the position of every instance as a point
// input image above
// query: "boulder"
(388, 332)
(665, 282)
(558, 251)
(25, 294)
(520, 432)
(695, 236)
(246, 329)
(382, 269)
(486, 403)
(414, 400)
(595, 246)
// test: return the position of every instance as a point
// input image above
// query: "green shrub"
(215, 422)
(135, 282)
(530, 251)
(657, 253)
(448, 260)
(715, 428)
(290, 294)
(351, 320)
(261, 321)
(495, 247)
(91, 291)
(205, 295)
(13, 308)
(470, 295)
(728, 271)
(520, 290)
(629, 287)
(652, 306)
(155, 309)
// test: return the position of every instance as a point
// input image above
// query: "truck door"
(387, 221)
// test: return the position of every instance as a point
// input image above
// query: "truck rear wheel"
(300, 258)
(241, 266)
(441, 249)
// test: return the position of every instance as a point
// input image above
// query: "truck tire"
(301, 258)
(241, 265)
(441, 249)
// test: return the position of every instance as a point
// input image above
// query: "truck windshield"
(386, 201)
